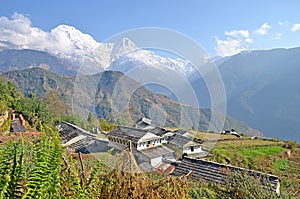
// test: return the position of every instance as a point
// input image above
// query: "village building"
(145, 150)
(149, 125)
(147, 147)
(143, 122)
(79, 140)
(140, 138)
(183, 145)
(231, 132)
(154, 156)
(184, 133)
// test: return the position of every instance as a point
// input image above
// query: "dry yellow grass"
(213, 136)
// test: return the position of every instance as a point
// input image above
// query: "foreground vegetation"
(38, 167)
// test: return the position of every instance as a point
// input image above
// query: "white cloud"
(283, 23)
(237, 33)
(236, 41)
(295, 27)
(63, 39)
(248, 40)
(277, 36)
(230, 46)
(263, 30)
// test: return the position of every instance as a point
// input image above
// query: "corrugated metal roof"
(179, 140)
(216, 172)
(127, 133)
(133, 134)
(146, 166)
(156, 151)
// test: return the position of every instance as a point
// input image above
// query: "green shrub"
(241, 186)
(280, 164)
(291, 144)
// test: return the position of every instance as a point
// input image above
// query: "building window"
(192, 148)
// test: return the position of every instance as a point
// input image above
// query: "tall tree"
(92, 120)
(56, 106)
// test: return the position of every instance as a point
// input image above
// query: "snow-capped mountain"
(126, 56)
(83, 51)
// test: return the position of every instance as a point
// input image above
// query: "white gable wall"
(155, 161)
(192, 149)
(150, 143)
(149, 140)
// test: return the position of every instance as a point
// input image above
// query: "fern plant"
(11, 169)
(43, 180)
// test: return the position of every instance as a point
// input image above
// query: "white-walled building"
(187, 145)
(141, 139)
(147, 147)
(155, 155)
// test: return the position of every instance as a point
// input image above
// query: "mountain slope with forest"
(263, 90)
(12, 59)
(96, 94)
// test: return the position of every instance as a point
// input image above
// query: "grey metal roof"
(180, 131)
(68, 131)
(146, 166)
(128, 133)
(216, 172)
(90, 145)
(179, 140)
(156, 151)
(157, 131)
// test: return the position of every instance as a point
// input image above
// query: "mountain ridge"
(262, 90)
(143, 103)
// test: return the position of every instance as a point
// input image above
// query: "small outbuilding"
(184, 144)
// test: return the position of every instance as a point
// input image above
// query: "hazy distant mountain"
(263, 89)
(96, 94)
(11, 59)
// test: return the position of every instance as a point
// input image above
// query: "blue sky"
(222, 27)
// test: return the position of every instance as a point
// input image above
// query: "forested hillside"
(93, 94)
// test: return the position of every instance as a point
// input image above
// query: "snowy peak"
(81, 49)
(75, 39)
(127, 42)
(129, 57)
(122, 48)
(77, 48)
